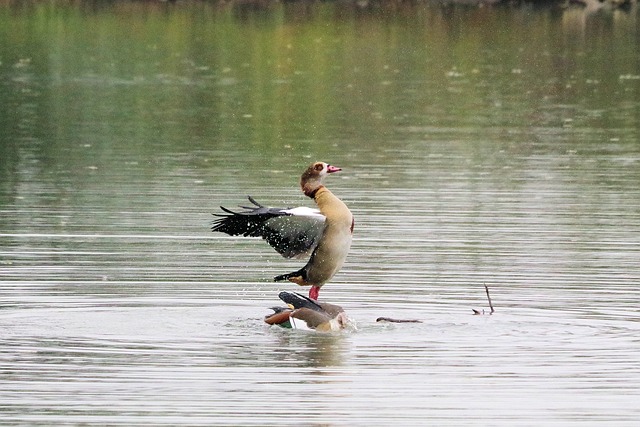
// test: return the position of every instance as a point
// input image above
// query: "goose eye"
(319, 167)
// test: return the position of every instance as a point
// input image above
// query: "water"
(471, 156)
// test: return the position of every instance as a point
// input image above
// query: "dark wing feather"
(289, 234)
(245, 223)
(292, 236)
(299, 301)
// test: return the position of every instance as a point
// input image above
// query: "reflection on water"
(311, 350)
(471, 156)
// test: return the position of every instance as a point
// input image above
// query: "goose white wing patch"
(306, 212)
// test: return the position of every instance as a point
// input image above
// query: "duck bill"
(332, 169)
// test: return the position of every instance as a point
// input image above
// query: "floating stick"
(486, 288)
(389, 319)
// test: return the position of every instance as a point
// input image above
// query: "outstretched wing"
(293, 232)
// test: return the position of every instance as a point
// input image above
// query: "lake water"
(496, 146)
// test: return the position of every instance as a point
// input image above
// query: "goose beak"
(332, 169)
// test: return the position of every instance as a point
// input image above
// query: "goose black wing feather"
(290, 235)
(245, 223)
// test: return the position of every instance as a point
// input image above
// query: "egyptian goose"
(325, 233)
(307, 314)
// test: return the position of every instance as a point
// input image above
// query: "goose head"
(313, 178)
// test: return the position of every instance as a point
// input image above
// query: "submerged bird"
(325, 233)
(305, 313)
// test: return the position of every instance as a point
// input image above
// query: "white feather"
(299, 324)
(305, 211)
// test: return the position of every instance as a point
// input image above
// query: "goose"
(307, 314)
(324, 233)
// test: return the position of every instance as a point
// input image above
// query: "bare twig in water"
(486, 288)
(391, 320)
